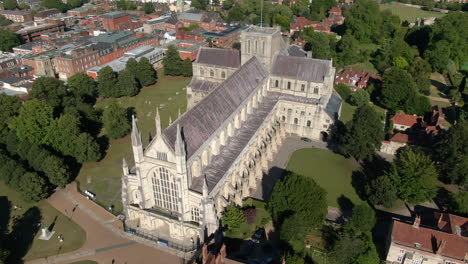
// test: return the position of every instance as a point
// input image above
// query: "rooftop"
(219, 57)
(27, 29)
(406, 120)
(114, 14)
(262, 30)
(306, 69)
(112, 37)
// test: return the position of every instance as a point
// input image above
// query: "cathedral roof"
(201, 85)
(333, 105)
(306, 69)
(219, 57)
(201, 121)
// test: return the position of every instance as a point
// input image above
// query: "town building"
(356, 79)
(164, 23)
(15, 85)
(41, 15)
(445, 242)
(16, 16)
(86, 9)
(216, 153)
(154, 56)
(225, 38)
(32, 33)
(116, 20)
(187, 48)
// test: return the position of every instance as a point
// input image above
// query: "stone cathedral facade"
(242, 105)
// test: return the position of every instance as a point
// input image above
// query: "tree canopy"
(363, 135)
(49, 90)
(107, 82)
(8, 39)
(233, 217)
(82, 84)
(116, 121)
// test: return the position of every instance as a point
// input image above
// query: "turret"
(180, 153)
(158, 123)
(125, 167)
(137, 146)
(210, 219)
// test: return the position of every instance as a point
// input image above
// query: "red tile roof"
(430, 240)
(406, 120)
(449, 223)
(400, 137)
(301, 23)
(335, 10)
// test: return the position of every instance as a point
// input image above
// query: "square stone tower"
(265, 43)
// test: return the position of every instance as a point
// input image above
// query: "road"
(105, 240)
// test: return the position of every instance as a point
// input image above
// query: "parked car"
(258, 235)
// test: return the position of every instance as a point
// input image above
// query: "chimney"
(441, 246)
(204, 253)
(417, 221)
(309, 54)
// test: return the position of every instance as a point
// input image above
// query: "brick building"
(114, 21)
(16, 15)
(32, 33)
(46, 13)
(356, 79)
(84, 10)
(164, 23)
(187, 48)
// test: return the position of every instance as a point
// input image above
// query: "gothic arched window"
(211, 73)
(308, 123)
(165, 189)
(223, 75)
(276, 83)
(283, 118)
(296, 121)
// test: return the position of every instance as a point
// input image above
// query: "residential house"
(356, 79)
(16, 16)
(446, 242)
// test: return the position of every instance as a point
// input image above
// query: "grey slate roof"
(296, 51)
(333, 105)
(305, 69)
(219, 57)
(202, 86)
(201, 121)
(190, 16)
(114, 14)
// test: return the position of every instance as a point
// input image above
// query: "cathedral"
(241, 106)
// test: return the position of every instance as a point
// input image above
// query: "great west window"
(166, 191)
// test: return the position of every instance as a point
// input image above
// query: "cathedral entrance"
(324, 136)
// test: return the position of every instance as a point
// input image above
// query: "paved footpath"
(105, 240)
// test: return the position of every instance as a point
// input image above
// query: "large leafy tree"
(351, 248)
(398, 89)
(33, 187)
(148, 8)
(56, 171)
(233, 217)
(460, 202)
(359, 98)
(172, 62)
(322, 44)
(115, 121)
(382, 191)
(62, 133)
(416, 174)
(294, 230)
(363, 135)
(301, 196)
(49, 89)
(421, 71)
(86, 149)
(82, 84)
(128, 84)
(107, 83)
(9, 107)
(10, 4)
(362, 220)
(452, 155)
(33, 121)
(142, 70)
(8, 39)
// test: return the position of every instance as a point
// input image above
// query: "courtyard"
(26, 231)
(103, 178)
(331, 171)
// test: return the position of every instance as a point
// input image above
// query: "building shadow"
(441, 87)
(20, 239)
(52, 225)
(269, 180)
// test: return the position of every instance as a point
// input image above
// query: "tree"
(146, 75)
(148, 8)
(116, 121)
(54, 4)
(107, 83)
(33, 121)
(8, 39)
(86, 149)
(233, 217)
(10, 4)
(322, 44)
(348, 48)
(172, 62)
(301, 196)
(364, 134)
(362, 220)
(438, 55)
(199, 4)
(4, 21)
(294, 259)
(235, 14)
(294, 230)
(398, 90)
(128, 84)
(359, 98)
(62, 133)
(416, 174)
(187, 68)
(421, 71)
(343, 90)
(382, 191)
(452, 155)
(82, 84)
(351, 248)
(33, 187)
(9, 108)
(49, 90)
(56, 171)
(460, 202)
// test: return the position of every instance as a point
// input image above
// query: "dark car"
(258, 235)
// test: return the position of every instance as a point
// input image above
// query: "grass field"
(409, 13)
(439, 87)
(104, 177)
(347, 111)
(330, 170)
(27, 244)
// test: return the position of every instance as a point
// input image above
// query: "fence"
(160, 241)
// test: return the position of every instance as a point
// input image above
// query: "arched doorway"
(324, 136)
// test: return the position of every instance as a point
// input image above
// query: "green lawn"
(409, 13)
(347, 111)
(74, 236)
(365, 66)
(331, 171)
(104, 177)
(439, 87)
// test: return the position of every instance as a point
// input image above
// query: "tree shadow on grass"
(441, 87)
(370, 170)
(22, 235)
(5, 213)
